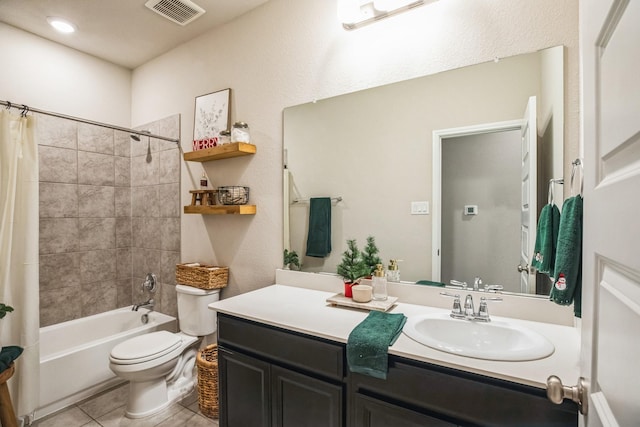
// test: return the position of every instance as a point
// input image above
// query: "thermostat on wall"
(471, 209)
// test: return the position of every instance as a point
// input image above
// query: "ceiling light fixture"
(61, 25)
(356, 13)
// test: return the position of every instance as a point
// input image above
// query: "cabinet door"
(299, 400)
(244, 390)
(370, 412)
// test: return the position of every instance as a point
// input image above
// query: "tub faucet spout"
(148, 304)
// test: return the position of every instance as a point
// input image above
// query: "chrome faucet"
(469, 313)
(477, 283)
(147, 304)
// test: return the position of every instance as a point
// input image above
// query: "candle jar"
(240, 132)
(224, 138)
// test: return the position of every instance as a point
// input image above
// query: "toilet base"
(150, 397)
(147, 398)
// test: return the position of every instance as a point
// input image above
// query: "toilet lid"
(145, 347)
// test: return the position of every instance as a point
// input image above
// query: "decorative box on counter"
(202, 276)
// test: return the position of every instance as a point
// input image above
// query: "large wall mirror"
(372, 152)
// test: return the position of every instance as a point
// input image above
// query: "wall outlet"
(419, 208)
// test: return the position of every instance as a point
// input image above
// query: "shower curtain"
(19, 254)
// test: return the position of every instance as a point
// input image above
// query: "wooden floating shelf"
(221, 210)
(235, 149)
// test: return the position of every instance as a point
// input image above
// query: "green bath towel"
(544, 253)
(7, 355)
(567, 286)
(368, 343)
(319, 236)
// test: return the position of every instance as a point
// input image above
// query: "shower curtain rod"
(26, 109)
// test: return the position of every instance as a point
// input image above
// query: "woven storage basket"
(207, 361)
(202, 276)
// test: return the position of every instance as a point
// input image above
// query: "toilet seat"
(146, 347)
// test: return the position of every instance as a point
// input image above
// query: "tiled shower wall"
(107, 217)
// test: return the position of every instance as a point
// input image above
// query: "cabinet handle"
(556, 392)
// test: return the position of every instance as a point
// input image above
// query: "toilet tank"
(194, 316)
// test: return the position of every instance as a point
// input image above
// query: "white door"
(610, 55)
(529, 210)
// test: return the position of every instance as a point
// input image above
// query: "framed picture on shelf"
(211, 116)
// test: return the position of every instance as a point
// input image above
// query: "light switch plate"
(471, 209)
(420, 208)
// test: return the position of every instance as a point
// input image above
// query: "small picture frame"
(211, 116)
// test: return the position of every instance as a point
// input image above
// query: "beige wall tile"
(57, 164)
(95, 169)
(96, 201)
(95, 139)
(58, 200)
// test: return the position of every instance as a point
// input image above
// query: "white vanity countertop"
(306, 311)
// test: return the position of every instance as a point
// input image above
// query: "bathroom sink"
(495, 340)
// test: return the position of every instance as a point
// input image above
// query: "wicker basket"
(233, 195)
(202, 276)
(207, 361)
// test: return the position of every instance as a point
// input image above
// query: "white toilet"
(160, 366)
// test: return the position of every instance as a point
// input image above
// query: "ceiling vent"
(179, 11)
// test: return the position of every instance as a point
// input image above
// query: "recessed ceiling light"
(61, 25)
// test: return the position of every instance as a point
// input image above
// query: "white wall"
(290, 52)
(51, 77)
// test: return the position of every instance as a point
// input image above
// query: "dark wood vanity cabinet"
(274, 377)
(271, 377)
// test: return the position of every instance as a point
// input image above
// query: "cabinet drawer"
(469, 399)
(288, 348)
(370, 412)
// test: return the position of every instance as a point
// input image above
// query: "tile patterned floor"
(107, 410)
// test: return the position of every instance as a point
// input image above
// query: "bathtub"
(74, 355)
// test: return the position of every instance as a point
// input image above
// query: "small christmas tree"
(352, 266)
(291, 259)
(370, 255)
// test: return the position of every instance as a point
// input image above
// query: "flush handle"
(556, 392)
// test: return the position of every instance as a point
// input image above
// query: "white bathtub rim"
(88, 344)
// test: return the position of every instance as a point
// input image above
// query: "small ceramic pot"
(347, 288)
(361, 293)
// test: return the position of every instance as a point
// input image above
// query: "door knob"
(556, 392)
(525, 268)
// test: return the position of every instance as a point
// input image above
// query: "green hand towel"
(368, 343)
(7, 355)
(544, 253)
(319, 236)
(430, 283)
(567, 273)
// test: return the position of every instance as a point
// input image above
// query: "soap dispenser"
(379, 283)
(393, 272)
